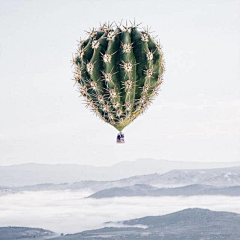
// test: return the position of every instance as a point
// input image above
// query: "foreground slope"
(189, 224)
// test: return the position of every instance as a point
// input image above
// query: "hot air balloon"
(119, 70)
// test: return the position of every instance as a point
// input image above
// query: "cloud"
(121, 225)
(70, 212)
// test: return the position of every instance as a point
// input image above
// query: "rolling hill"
(141, 190)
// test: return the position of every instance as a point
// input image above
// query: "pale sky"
(196, 116)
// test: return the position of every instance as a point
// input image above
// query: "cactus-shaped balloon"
(119, 70)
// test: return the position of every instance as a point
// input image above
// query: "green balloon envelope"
(119, 71)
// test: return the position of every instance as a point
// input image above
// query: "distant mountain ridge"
(218, 177)
(6, 191)
(141, 190)
(188, 224)
(32, 174)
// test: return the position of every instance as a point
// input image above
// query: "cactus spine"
(119, 70)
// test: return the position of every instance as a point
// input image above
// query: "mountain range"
(218, 177)
(32, 174)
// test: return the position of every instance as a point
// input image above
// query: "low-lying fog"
(70, 212)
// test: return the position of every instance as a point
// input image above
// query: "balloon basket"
(120, 138)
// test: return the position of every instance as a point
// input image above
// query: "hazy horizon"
(113, 164)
